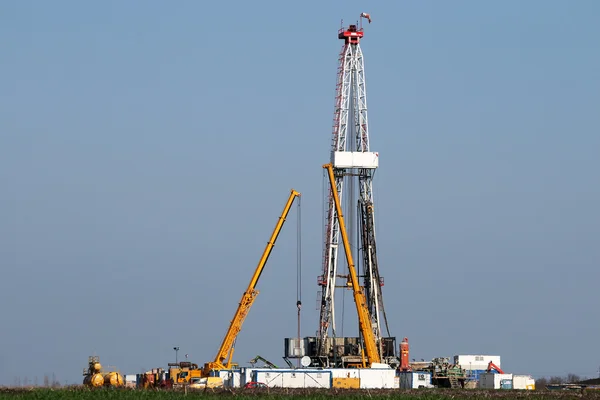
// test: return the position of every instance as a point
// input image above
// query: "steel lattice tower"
(354, 163)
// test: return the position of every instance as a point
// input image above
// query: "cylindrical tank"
(113, 379)
(404, 360)
(97, 367)
(94, 380)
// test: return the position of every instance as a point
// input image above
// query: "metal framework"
(353, 161)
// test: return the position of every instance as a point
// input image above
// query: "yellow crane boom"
(227, 346)
(364, 319)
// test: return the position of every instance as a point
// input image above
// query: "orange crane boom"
(364, 319)
(227, 346)
(492, 366)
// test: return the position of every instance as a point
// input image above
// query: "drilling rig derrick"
(354, 166)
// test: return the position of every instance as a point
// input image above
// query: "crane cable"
(299, 256)
(299, 264)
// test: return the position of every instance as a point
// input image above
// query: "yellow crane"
(227, 346)
(364, 319)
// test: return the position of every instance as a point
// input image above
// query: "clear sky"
(147, 149)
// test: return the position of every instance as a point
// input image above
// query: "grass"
(81, 393)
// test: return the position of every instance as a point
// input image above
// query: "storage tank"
(295, 348)
(97, 367)
(113, 379)
(94, 380)
(404, 360)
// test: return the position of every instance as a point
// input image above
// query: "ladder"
(454, 383)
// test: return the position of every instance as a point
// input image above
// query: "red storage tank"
(404, 360)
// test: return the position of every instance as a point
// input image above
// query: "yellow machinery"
(183, 372)
(227, 346)
(113, 379)
(209, 382)
(94, 376)
(364, 319)
(346, 383)
(94, 380)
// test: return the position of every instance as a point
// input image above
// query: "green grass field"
(307, 394)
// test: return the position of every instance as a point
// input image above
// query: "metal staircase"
(454, 382)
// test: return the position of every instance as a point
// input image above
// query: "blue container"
(506, 384)
(473, 375)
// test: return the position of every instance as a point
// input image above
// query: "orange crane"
(364, 318)
(225, 353)
(492, 366)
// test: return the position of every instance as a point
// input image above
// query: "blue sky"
(147, 148)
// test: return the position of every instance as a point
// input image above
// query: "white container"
(371, 378)
(490, 380)
(246, 375)
(476, 362)
(130, 381)
(231, 378)
(523, 382)
(415, 380)
(345, 372)
(286, 378)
